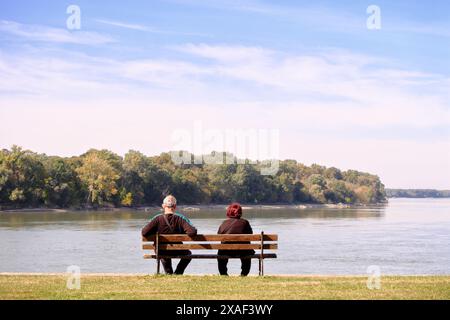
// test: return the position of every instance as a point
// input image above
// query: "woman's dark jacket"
(235, 226)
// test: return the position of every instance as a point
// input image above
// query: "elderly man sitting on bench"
(171, 222)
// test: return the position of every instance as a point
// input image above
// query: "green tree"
(250, 185)
(136, 175)
(22, 178)
(187, 185)
(317, 187)
(339, 192)
(333, 173)
(62, 185)
(220, 182)
(101, 177)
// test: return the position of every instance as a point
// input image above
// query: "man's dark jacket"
(179, 224)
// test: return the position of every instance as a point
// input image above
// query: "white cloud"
(144, 28)
(327, 18)
(367, 85)
(125, 25)
(223, 53)
(68, 102)
(334, 89)
(48, 34)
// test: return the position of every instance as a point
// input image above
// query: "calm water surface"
(408, 236)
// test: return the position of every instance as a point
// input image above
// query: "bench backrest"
(211, 242)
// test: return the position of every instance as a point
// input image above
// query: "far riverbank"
(189, 208)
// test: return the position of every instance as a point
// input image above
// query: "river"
(407, 236)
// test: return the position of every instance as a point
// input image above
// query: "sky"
(136, 72)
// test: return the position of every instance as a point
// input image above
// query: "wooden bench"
(261, 242)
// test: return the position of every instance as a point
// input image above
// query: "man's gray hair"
(170, 201)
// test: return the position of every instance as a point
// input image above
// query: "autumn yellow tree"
(99, 177)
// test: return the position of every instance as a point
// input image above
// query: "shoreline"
(112, 274)
(190, 208)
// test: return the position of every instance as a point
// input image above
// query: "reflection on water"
(109, 219)
(408, 236)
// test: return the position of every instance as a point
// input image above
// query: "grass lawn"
(216, 287)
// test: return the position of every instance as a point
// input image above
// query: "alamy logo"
(374, 278)
(73, 278)
(74, 20)
(374, 20)
(262, 144)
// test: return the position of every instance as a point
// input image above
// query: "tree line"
(417, 193)
(101, 178)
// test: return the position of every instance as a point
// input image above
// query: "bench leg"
(158, 263)
(261, 257)
(259, 260)
(262, 267)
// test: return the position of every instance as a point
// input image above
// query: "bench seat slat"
(212, 256)
(215, 237)
(210, 246)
